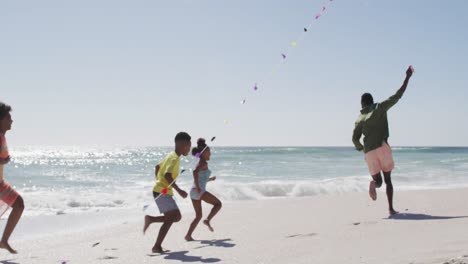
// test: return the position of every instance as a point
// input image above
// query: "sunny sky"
(136, 72)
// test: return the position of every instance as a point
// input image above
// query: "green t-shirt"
(373, 124)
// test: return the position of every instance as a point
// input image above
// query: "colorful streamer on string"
(284, 56)
(287, 53)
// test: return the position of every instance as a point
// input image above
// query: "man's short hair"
(367, 99)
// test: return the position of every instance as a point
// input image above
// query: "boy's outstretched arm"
(168, 177)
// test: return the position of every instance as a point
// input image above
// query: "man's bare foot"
(189, 238)
(207, 223)
(372, 191)
(146, 224)
(7, 246)
(159, 250)
(393, 212)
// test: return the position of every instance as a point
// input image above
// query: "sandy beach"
(289, 113)
(347, 228)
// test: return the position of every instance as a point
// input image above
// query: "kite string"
(265, 79)
(287, 53)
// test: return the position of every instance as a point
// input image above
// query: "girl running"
(198, 193)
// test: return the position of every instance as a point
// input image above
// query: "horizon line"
(233, 146)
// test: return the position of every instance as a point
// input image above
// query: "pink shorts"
(380, 159)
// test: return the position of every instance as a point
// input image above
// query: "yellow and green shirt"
(171, 164)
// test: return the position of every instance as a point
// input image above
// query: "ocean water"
(62, 180)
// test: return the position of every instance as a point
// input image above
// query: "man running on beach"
(373, 124)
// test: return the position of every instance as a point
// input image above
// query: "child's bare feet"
(372, 191)
(159, 250)
(207, 223)
(146, 224)
(7, 246)
(189, 238)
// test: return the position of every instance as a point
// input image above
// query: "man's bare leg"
(375, 183)
(388, 182)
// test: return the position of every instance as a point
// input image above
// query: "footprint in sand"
(365, 223)
(108, 258)
(302, 235)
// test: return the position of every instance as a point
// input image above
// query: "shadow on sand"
(409, 216)
(183, 257)
(10, 261)
(225, 243)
